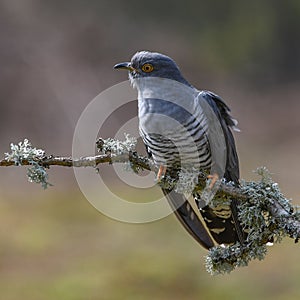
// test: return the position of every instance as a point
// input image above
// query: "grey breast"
(172, 122)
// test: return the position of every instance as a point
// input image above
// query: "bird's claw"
(161, 173)
(214, 178)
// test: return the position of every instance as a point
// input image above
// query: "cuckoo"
(181, 125)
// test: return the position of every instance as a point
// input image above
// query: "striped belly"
(185, 145)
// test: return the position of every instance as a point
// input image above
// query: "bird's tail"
(222, 223)
(208, 226)
(189, 217)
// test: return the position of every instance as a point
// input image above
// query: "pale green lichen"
(182, 180)
(38, 174)
(224, 259)
(117, 147)
(23, 151)
(187, 180)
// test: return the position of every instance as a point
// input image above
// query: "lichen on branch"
(266, 214)
(23, 151)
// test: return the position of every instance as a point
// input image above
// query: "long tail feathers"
(221, 223)
(189, 218)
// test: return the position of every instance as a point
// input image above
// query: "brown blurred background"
(55, 57)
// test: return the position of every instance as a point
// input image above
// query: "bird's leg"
(161, 173)
(211, 187)
(214, 178)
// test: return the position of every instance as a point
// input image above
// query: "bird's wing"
(222, 111)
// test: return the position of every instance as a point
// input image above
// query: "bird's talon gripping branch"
(214, 178)
(161, 173)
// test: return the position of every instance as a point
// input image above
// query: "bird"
(176, 129)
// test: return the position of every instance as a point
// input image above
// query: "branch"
(86, 161)
(23, 154)
(111, 151)
(263, 210)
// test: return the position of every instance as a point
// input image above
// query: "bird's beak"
(125, 66)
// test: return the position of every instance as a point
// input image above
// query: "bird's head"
(152, 64)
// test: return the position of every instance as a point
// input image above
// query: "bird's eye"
(147, 68)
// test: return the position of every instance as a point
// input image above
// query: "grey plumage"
(177, 130)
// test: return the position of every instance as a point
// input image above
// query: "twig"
(85, 161)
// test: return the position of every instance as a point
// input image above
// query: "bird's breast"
(172, 122)
(174, 134)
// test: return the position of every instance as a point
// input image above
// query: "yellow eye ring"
(147, 68)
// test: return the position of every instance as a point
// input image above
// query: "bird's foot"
(214, 178)
(210, 189)
(161, 173)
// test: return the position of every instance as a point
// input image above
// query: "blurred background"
(55, 57)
